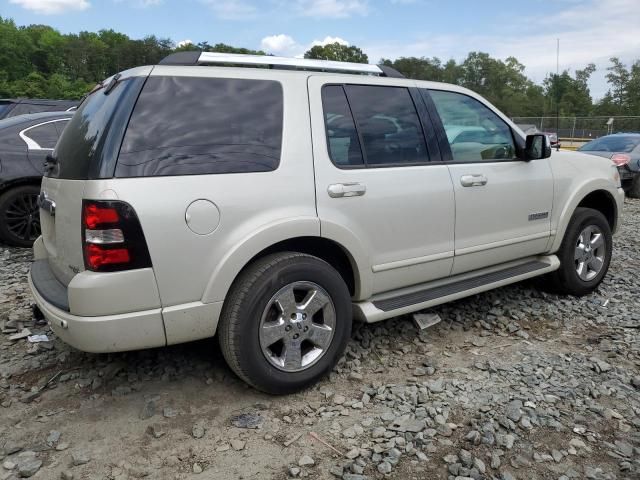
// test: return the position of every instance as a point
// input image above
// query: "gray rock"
(198, 430)
(237, 444)
(11, 447)
(294, 471)
(384, 467)
(53, 438)
(336, 471)
(247, 420)
(465, 458)
(306, 461)
(148, 410)
(80, 457)
(168, 412)
(513, 410)
(28, 467)
(353, 453)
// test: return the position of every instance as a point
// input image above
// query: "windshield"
(617, 143)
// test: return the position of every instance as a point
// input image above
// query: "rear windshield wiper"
(112, 83)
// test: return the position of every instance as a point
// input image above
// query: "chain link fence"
(574, 131)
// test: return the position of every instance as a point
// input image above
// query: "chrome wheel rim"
(297, 326)
(22, 217)
(589, 253)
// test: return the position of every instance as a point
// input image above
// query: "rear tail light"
(620, 159)
(112, 237)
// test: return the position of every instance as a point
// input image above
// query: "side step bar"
(410, 300)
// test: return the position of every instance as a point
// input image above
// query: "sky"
(590, 31)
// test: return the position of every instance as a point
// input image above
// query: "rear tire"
(20, 216)
(285, 322)
(634, 189)
(585, 254)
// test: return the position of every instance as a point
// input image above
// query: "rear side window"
(342, 137)
(190, 126)
(374, 125)
(389, 125)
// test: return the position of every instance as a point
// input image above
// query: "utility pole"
(558, 94)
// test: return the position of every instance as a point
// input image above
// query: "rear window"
(619, 144)
(190, 126)
(88, 146)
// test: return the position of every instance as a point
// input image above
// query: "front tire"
(286, 322)
(585, 254)
(20, 216)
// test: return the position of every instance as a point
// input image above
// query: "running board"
(410, 300)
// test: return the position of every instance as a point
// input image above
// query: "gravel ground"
(512, 384)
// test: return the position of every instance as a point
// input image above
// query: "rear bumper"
(99, 334)
(627, 177)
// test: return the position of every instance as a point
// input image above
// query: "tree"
(567, 95)
(338, 52)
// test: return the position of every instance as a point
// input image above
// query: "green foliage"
(338, 52)
(39, 61)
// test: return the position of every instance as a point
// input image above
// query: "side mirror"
(537, 146)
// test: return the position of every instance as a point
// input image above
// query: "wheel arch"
(328, 250)
(7, 185)
(604, 202)
(599, 199)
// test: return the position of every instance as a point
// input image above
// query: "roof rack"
(215, 58)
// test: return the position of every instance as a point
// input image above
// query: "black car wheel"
(20, 216)
(285, 322)
(585, 254)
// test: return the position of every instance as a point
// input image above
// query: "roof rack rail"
(213, 58)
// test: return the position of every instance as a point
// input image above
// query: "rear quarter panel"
(255, 209)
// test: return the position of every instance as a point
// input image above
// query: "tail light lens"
(620, 159)
(112, 237)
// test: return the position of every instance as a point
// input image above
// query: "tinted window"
(45, 135)
(388, 123)
(342, 137)
(475, 133)
(619, 144)
(186, 126)
(60, 126)
(90, 141)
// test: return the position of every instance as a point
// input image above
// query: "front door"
(379, 192)
(503, 204)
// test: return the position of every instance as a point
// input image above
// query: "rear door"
(503, 204)
(379, 191)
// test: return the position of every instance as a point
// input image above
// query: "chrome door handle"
(338, 190)
(473, 180)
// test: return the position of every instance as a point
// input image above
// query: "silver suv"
(271, 206)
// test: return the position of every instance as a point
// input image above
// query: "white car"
(271, 206)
